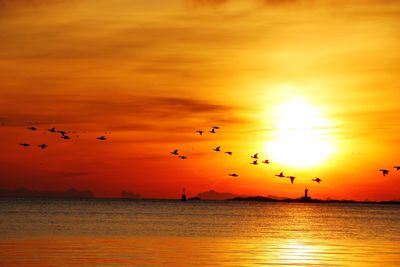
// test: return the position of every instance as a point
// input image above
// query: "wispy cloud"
(70, 173)
(148, 112)
(208, 2)
(32, 3)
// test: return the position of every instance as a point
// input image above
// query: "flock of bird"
(54, 131)
(386, 171)
(254, 157)
(175, 152)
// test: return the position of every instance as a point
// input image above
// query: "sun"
(301, 135)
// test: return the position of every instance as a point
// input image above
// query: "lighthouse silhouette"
(306, 196)
(183, 198)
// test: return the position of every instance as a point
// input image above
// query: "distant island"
(214, 195)
(299, 200)
(26, 193)
(307, 199)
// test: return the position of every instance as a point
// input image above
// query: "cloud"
(70, 173)
(5, 4)
(264, 2)
(207, 2)
(280, 2)
(121, 112)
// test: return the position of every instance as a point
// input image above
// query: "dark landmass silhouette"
(214, 195)
(129, 195)
(308, 200)
(26, 193)
(194, 198)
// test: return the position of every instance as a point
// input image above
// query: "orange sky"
(310, 80)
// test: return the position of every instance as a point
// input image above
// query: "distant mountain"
(257, 198)
(23, 192)
(214, 195)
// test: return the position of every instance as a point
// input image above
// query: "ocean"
(100, 232)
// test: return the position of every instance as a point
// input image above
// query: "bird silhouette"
(255, 156)
(280, 175)
(213, 131)
(200, 132)
(62, 132)
(233, 175)
(175, 152)
(384, 172)
(42, 146)
(215, 127)
(229, 153)
(318, 180)
(101, 138)
(24, 144)
(52, 130)
(32, 128)
(65, 137)
(183, 157)
(254, 162)
(397, 167)
(266, 161)
(291, 178)
(218, 148)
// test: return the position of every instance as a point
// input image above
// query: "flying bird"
(266, 161)
(183, 157)
(255, 156)
(229, 153)
(318, 180)
(215, 127)
(213, 131)
(218, 148)
(42, 146)
(384, 172)
(52, 130)
(233, 175)
(200, 132)
(291, 178)
(102, 138)
(65, 137)
(24, 144)
(397, 168)
(32, 128)
(254, 162)
(62, 133)
(280, 175)
(175, 152)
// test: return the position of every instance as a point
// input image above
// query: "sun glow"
(301, 135)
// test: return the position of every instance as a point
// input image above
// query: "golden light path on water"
(192, 251)
(301, 136)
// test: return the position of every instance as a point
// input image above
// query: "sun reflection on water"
(295, 252)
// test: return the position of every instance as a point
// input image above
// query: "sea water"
(98, 232)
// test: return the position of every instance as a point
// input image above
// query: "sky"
(311, 85)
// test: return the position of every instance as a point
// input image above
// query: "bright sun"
(300, 138)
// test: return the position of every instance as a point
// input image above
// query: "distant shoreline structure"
(73, 194)
(299, 200)
(307, 199)
(26, 193)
